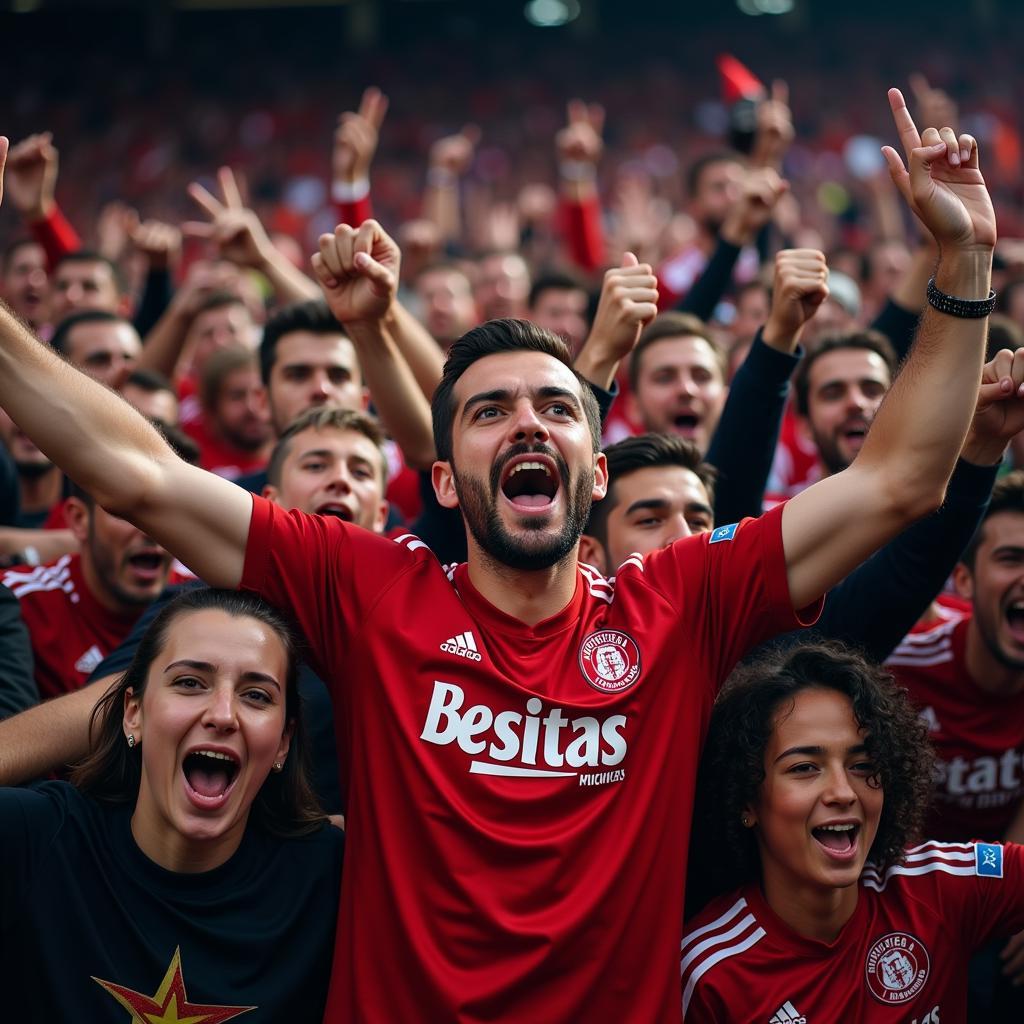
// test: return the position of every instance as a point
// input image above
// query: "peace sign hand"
(944, 186)
(234, 229)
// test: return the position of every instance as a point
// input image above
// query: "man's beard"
(479, 504)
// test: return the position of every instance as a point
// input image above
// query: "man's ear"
(443, 479)
(592, 553)
(600, 477)
(77, 514)
(963, 581)
(381, 519)
(271, 493)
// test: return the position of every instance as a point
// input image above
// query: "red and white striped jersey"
(71, 632)
(520, 796)
(900, 959)
(978, 736)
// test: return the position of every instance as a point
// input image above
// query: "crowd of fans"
(736, 275)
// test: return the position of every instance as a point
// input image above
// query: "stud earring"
(278, 766)
(746, 821)
(131, 741)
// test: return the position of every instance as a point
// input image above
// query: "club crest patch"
(988, 860)
(723, 533)
(897, 967)
(610, 660)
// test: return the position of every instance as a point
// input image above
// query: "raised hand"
(356, 138)
(453, 155)
(234, 229)
(934, 106)
(629, 300)
(943, 186)
(357, 270)
(160, 243)
(799, 288)
(760, 192)
(32, 176)
(999, 414)
(580, 142)
(774, 128)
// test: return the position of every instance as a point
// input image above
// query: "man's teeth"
(529, 465)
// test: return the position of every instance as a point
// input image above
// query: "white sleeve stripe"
(920, 662)
(689, 937)
(924, 869)
(719, 939)
(935, 844)
(712, 960)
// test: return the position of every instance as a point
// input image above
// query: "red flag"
(738, 83)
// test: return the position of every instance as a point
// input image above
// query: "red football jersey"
(978, 736)
(901, 959)
(71, 632)
(520, 796)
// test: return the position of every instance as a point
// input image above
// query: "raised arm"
(902, 470)
(358, 273)
(108, 448)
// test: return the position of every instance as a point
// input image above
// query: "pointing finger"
(229, 188)
(905, 127)
(780, 92)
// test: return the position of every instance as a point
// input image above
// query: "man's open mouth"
(686, 422)
(1015, 620)
(530, 483)
(147, 565)
(336, 509)
(209, 776)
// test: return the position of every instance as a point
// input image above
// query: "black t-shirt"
(89, 926)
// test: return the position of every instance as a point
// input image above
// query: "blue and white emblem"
(988, 860)
(723, 533)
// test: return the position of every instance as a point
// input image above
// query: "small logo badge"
(464, 645)
(897, 967)
(609, 660)
(787, 1013)
(90, 660)
(723, 533)
(988, 860)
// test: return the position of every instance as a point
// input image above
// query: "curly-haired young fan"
(815, 781)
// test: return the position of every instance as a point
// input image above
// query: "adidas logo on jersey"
(787, 1013)
(464, 645)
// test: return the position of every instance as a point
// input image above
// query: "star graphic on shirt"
(170, 1005)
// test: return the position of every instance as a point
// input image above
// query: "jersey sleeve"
(731, 589)
(322, 572)
(987, 893)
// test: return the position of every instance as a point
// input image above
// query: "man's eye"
(699, 525)
(315, 467)
(488, 412)
(560, 409)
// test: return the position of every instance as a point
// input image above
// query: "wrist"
(439, 176)
(965, 272)
(40, 211)
(780, 336)
(350, 189)
(982, 451)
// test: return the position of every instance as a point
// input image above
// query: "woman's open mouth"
(838, 841)
(209, 776)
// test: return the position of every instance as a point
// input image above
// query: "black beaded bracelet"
(967, 309)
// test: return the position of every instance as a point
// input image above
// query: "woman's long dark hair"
(724, 854)
(285, 804)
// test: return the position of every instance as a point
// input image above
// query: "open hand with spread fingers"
(357, 270)
(942, 182)
(235, 230)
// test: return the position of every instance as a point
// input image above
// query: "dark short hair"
(151, 381)
(313, 316)
(219, 300)
(223, 362)
(285, 804)
(91, 256)
(1007, 496)
(675, 325)
(725, 853)
(489, 339)
(555, 280)
(696, 170)
(62, 334)
(327, 417)
(872, 341)
(11, 250)
(643, 452)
